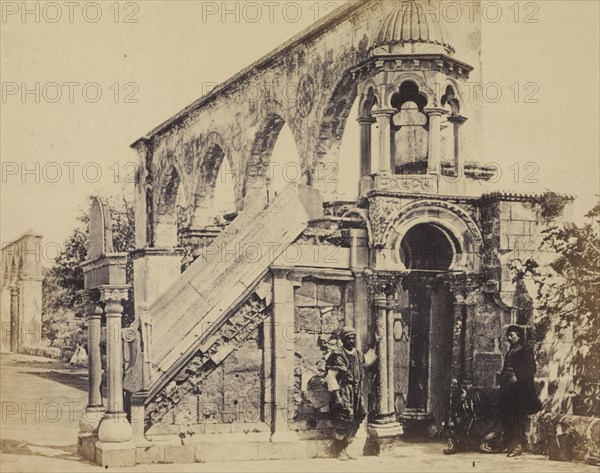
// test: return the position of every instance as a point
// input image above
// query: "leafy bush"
(569, 299)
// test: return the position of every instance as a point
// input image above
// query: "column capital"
(366, 120)
(109, 293)
(281, 272)
(434, 111)
(457, 119)
(463, 285)
(89, 295)
(382, 112)
(93, 310)
(382, 284)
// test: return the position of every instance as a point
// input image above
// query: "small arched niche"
(448, 136)
(410, 134)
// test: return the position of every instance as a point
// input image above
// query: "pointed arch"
(214, 156)
(171, 195)
(331, 127)
(258, 168)
(457, 100)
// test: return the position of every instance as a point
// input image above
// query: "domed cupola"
(409, 29)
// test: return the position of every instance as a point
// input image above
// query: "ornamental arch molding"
(422, 87)
(458, 227)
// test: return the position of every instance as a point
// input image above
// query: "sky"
(80, 83)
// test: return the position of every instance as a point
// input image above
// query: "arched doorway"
(427, 251)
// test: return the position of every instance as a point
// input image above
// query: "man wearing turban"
(345, 368)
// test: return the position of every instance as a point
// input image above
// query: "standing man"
(345, 368)
(517, 396)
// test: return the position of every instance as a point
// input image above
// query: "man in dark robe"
(517, 395)
(345, 368)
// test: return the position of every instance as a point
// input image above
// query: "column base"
(114, 428)
(384, 434)
(91, 418)
(86, 445)
(387, 430)
(115, 455)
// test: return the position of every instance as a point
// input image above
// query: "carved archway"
(461, 232)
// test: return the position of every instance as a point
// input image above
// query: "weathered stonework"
(21, 294)
(197, 393)
(420, 263)
(316, 328)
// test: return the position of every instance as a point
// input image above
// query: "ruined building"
(225, 360)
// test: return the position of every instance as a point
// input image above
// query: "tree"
(569, 298)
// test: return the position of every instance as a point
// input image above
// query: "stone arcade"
(21, 294)
(226, 358)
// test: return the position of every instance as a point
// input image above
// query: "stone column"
(465, 288)
(470, 300)
(390, 354)
(457, 121)
(384, 120)
(15, 322)
(267, 381)
(385, 425)
(93, 411)
(114, 427)
(30, 312)
(365, 145)
(283, 352)
(257, 183)
(458, 340)
(5, 314)
(435, 137)
(382, 355)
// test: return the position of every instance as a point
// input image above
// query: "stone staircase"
(237, 329)
(190, 319)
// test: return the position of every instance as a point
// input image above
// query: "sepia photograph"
(300, 236)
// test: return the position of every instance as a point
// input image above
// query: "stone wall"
(320, 311)
(566, 437)
(488, 341)
(219, 386)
